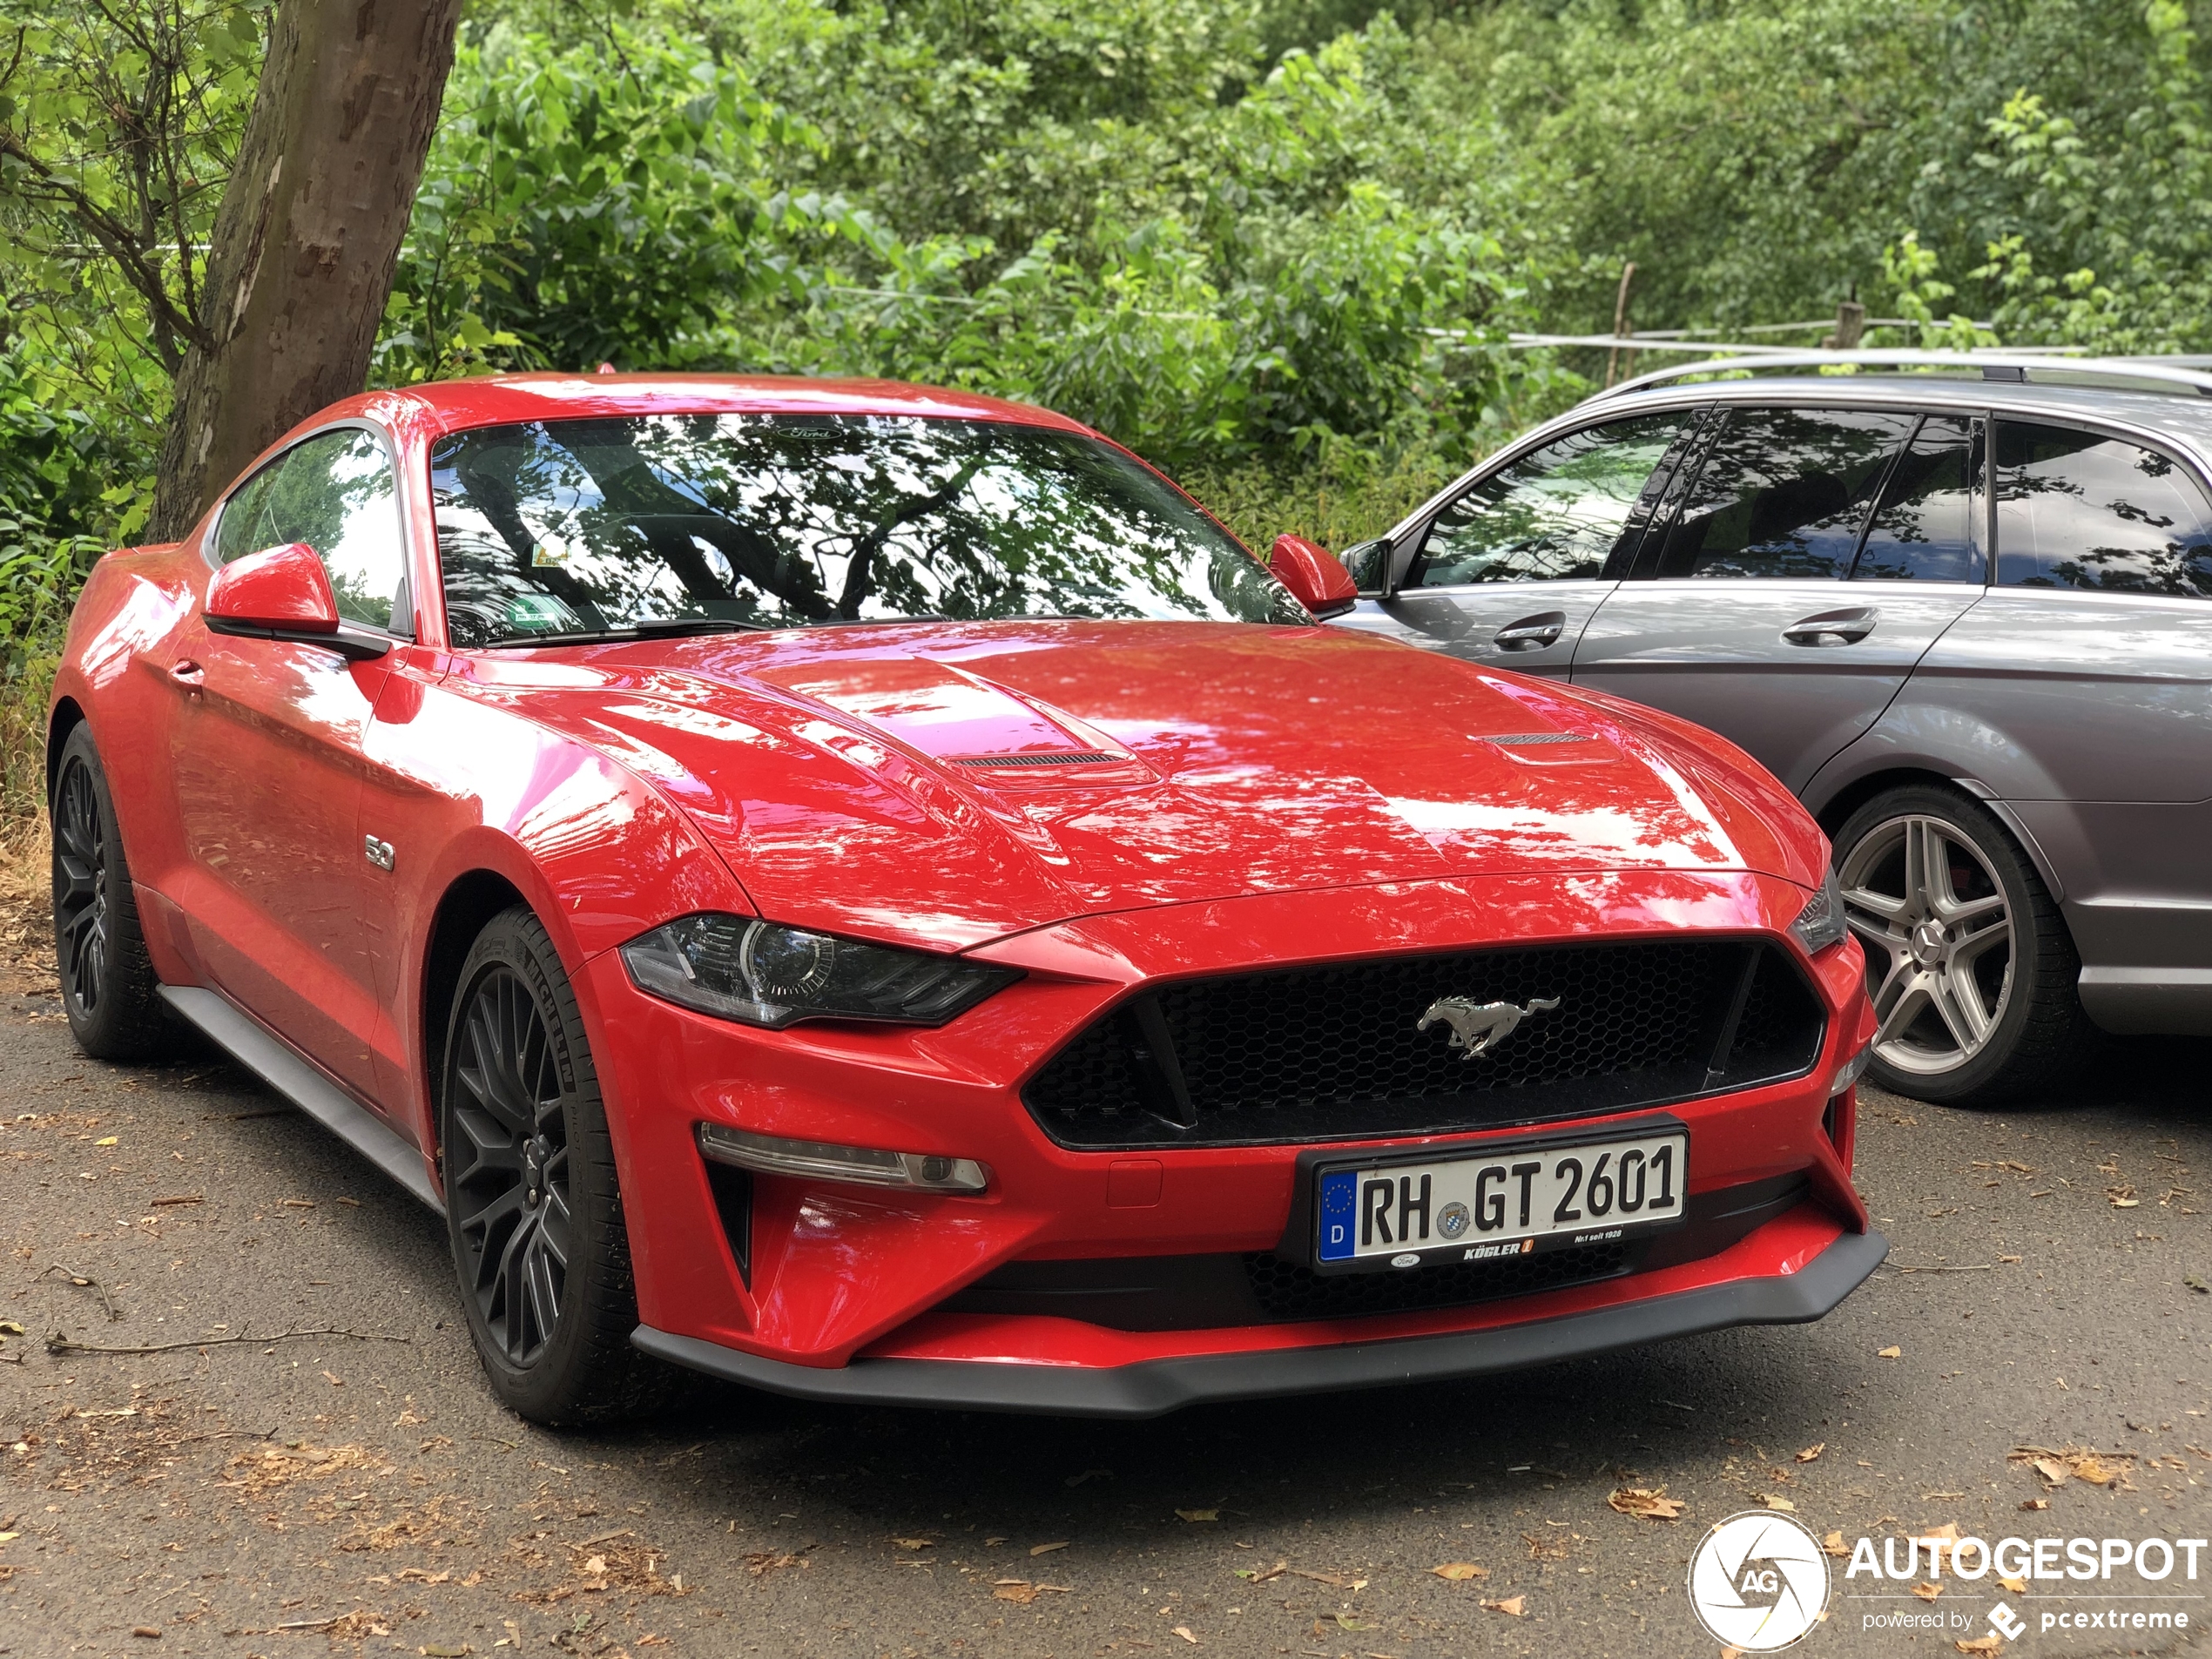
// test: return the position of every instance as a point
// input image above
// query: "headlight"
(764, 974)
(1821, 923)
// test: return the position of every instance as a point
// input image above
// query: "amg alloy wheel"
(1930, 914)
(108, 990)
(532, 1205)
(1969, 965)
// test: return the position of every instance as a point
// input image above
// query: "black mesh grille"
(1286, 1290)
(1332, 1053)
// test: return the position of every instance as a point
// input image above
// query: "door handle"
(187, 673)
(1832, 627)
(1532, 633)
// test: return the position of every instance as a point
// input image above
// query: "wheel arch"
(470, 901)
(66, 716)
(1848, 797)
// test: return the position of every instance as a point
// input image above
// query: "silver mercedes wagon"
(1962, 605)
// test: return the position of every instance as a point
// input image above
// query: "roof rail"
(2128, 374)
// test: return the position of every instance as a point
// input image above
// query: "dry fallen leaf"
(914, 1543)
(1184, 1630)
(1890, 1352)
(1650, 1503)
(1460, 1571)
(2096, 1473)
(2017, 1586)
(1773, 1501)
(1046, 1549)
(2052, 1470)
(1812, 1451)
(1928, 1592)
(2035, 1503)
(1514, 1605)
(1018, 1591)
(107, 1140)
(1199, 1514)
(1991, 1643)
(596, 1565)
(1833, 1545)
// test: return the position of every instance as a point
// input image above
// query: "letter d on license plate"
(1508, 1201)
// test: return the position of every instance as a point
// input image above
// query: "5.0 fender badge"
(1480, 1027)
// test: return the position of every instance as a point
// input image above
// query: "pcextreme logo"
(1758, 1582)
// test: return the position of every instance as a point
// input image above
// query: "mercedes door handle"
(1532, 633)
(188, 674)
(1832, 627)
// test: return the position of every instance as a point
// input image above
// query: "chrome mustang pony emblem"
(1480, 1026)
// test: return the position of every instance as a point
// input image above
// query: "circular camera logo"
(1758, 1582)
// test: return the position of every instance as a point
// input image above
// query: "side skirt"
(252, 1046)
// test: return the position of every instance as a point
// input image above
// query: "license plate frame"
(1306, 1239)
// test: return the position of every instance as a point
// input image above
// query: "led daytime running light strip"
(773, 1155)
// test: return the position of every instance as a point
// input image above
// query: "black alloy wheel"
(110, 992)
(507, 1167)
(80, 887)
(533, 1207)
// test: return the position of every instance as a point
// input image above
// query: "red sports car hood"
(949, 784)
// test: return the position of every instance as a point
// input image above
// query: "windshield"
(594, 526)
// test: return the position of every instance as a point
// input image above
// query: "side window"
(1784, 493)
(336, 493)
(1927, 527)
(1554, 513)
(2078, 509)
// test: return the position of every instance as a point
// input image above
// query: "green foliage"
(596, 202)
(1273, 245)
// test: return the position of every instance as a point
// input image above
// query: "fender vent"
(1523, 739)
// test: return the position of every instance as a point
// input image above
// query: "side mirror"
(280, 587)
(284, 593)
(1311, 572)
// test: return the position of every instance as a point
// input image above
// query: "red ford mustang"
(869, 892)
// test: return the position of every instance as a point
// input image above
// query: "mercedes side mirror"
(284, 593)
(1312, 573)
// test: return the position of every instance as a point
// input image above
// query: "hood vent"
(1522, 739)
(1078, 757)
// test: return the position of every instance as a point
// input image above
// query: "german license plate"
(1515, 1201)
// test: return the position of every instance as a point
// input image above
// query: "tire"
(109, 988)
(1972, 972)
(533, 1208)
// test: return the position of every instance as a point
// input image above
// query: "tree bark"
(300, 262)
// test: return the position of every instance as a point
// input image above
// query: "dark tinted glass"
(2078, 509)
(1554, 513)
(1924, 528)
(335, 492)
(1782, 493)
(578, 526)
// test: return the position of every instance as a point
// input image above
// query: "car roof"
(498, 400)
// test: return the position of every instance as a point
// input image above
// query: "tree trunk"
(300, 262)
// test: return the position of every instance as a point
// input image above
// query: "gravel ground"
(246, 1494)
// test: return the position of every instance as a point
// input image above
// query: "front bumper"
(833, 1279)
(1152, 1387)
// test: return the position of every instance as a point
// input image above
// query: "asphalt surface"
(365, 1494)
